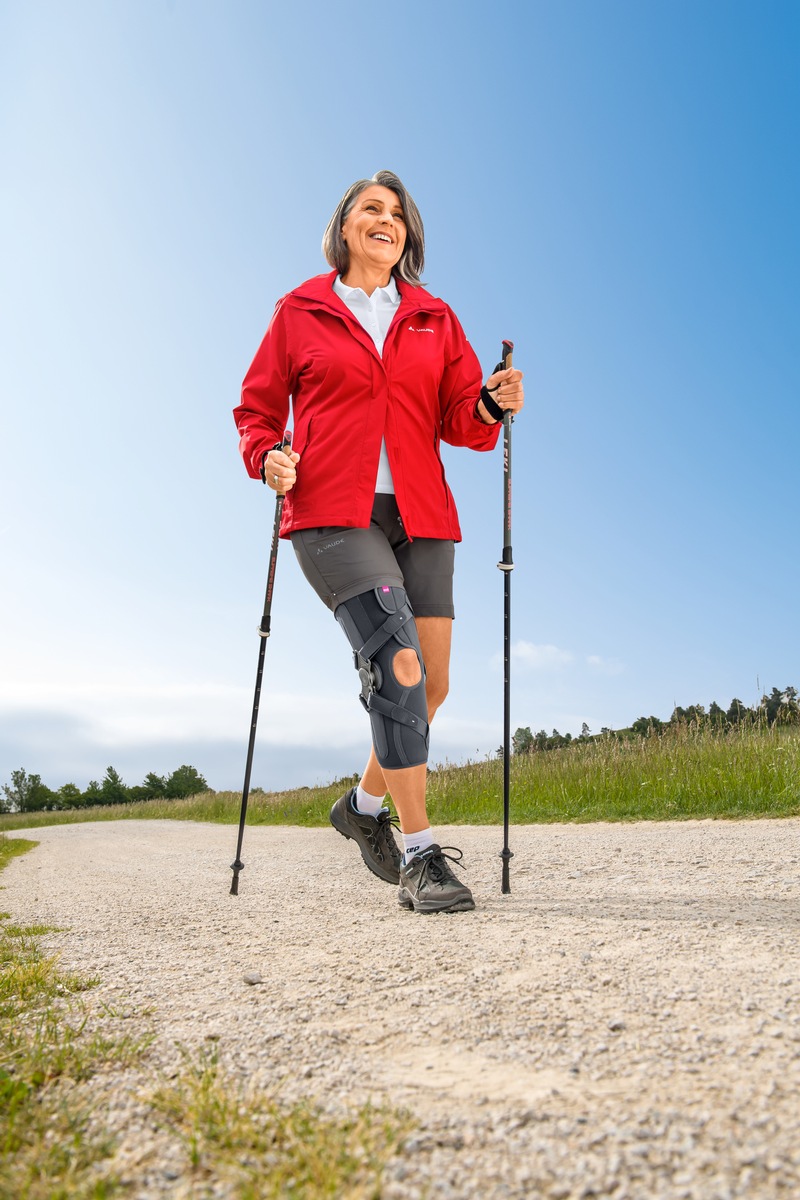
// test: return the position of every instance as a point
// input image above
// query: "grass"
(262, 1150)
(679, 773)
(56, 1145)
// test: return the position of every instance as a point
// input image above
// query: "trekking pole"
(506, 565)
(263, 633)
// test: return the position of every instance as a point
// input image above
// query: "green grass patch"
(675, 774)
(10, 848)
(55, 1145)
(262, 1150)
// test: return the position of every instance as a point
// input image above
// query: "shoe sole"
(384, 874)
(464, 904)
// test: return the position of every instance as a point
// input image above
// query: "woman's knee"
(406, 667)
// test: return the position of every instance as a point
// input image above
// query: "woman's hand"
(507, 392)
(279, 470)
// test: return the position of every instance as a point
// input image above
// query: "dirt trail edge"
(626, 1023)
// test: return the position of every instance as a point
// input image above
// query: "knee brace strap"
(378, 623)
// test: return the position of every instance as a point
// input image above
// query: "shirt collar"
(384, 295)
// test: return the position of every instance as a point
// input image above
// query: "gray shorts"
(341, 562)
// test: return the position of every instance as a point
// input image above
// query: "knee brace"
(378, 624)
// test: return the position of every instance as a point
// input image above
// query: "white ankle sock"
(415, 842)
(366, 803)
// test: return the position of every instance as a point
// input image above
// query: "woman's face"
(375, 230)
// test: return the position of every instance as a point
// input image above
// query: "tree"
(522, 741)
(780, 707)
(647, 726)
(736, 712)
(17, 792)
(69, 796)
(695, 714)
(186, 781)
(93, 793)
(153, 786)
(113, 790)
(789, 711)
(26, 793)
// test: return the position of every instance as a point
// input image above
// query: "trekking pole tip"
(505, 886)
(236, 868)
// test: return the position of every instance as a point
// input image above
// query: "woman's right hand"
(280, 470)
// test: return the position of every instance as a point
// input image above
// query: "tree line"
(27, 793)
(776, 708)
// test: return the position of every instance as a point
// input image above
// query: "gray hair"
(412, 260)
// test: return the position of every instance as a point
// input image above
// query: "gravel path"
(625, 1024)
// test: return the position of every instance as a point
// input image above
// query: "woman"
(378, 371)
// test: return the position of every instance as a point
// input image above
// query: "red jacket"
(346, 398)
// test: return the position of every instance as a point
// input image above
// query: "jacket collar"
(319, 291)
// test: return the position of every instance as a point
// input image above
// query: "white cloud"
(530, 657)
(546, 658)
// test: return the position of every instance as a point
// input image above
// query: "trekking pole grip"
(507, 561)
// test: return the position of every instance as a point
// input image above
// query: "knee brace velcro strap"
(379, 624)
(376, 703)
(388, 629)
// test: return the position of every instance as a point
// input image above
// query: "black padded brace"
(378, 624)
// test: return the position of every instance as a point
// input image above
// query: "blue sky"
(613, 185)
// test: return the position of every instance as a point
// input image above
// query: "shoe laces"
(382, 838)
(434, 866)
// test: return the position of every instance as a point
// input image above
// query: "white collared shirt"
(374, 313)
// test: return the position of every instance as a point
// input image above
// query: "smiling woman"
(373, 522)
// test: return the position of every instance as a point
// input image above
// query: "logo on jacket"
(413, 329)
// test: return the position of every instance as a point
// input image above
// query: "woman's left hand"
(507, 392)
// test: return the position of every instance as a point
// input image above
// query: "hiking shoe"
(428, 885)
(374, 836)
